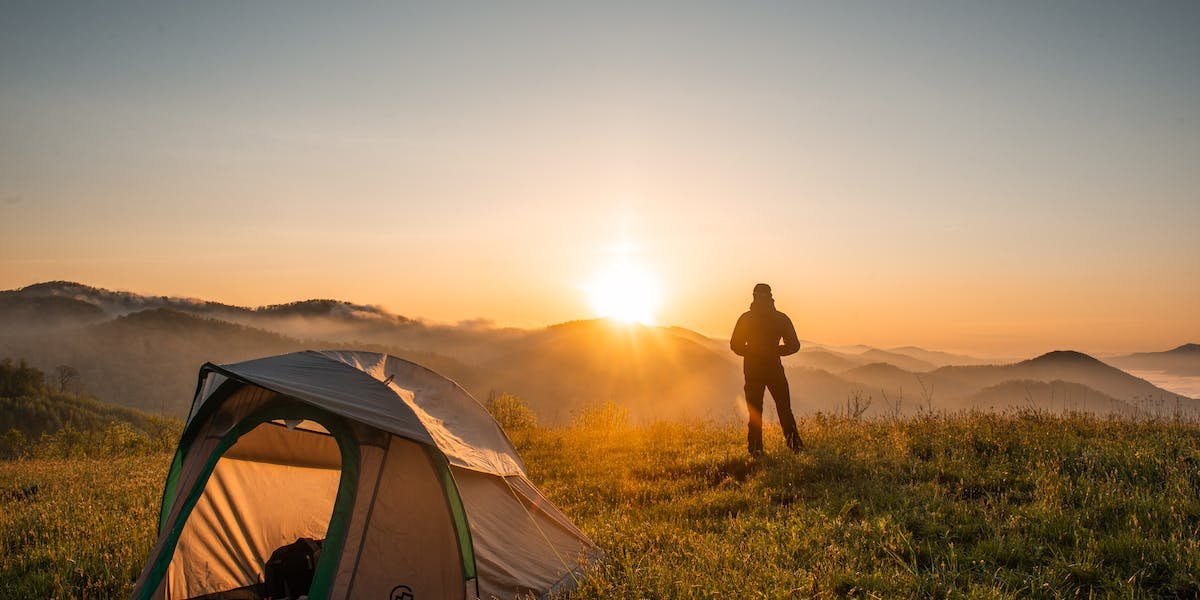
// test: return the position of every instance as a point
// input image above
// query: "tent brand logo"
(401, 592)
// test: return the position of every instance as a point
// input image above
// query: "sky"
(1002, 178)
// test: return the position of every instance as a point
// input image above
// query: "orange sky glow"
(1001, 180)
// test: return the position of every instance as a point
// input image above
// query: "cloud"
(476, 324)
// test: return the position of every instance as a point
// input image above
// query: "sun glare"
(625, 292)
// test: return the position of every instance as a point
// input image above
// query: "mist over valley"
(143, 352)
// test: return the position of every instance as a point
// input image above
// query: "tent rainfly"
(406, 486)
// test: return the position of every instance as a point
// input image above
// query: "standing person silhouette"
(756, 338)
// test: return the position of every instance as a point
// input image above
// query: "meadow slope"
(981, 506)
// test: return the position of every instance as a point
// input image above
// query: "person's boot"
(754, 443)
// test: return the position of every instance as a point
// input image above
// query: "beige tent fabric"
(522, 545)
(315, 379)
(410, 538)
(248, 509)
(273, 443)
(237, 407)
(400, 529)
(531, 495)
(270, 488)
(461, 427)
(370, 465)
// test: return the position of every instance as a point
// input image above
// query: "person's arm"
(737, 341)
(791, 343)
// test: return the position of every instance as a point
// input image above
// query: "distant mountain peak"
(56, 284)
(879, 367)
(1188, 348)
(325, 307)
(58, 288)
(609, 324)
(1065, 356)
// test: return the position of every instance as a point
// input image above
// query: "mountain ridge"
(147, 359)
(1181, 361)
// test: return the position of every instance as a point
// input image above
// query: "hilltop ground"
(968, 506)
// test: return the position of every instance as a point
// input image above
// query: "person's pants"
(775, 381)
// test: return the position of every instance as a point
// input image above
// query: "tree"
(65, 375)
(20, 380)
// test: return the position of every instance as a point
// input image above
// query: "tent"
(413, 488)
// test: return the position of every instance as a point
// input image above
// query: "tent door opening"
(258, 528)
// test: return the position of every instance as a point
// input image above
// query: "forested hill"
(38, 416)
(144, 352)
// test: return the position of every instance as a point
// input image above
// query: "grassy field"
(77, 529)
(980, 507)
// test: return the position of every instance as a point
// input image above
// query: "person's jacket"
(758, 333)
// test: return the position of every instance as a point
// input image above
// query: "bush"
(120, 439)
(604, 416)
(66, 443)
(511, 412)
(14, 444)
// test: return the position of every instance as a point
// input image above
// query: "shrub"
(511, 412)
(121, 439)
(14, 444)
(604, 416)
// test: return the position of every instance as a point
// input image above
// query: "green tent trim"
(338, 522)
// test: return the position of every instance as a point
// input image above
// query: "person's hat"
(762, 289)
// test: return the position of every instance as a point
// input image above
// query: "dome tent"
(414, 489)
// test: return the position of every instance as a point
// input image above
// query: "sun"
(625, 291)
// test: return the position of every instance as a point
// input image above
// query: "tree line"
(50, 417)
